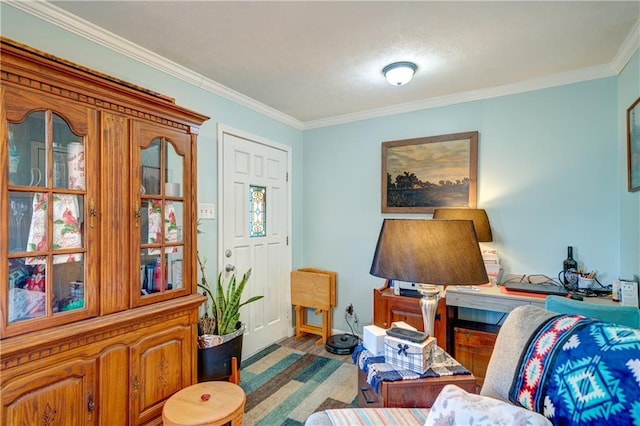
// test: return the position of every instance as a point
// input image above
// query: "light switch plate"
(206, 211)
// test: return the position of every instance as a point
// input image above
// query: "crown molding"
(72, 23)
(627, 49)
(560, 79)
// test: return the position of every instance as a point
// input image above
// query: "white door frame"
(222, 130)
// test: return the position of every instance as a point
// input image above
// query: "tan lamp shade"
(478, 216)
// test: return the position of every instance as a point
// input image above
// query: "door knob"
(229, 267)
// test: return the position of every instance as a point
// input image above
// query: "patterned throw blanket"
(581, 371)
(378, 371)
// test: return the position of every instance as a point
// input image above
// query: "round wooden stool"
(205, 404)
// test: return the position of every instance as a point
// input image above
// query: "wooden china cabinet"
(98, 302)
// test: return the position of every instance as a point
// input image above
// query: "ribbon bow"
(402, 349)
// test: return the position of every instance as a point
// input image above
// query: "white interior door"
(253, 232)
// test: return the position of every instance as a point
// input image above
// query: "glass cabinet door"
(161, 218)
(46, 220)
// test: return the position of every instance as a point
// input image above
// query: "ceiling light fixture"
(399, 73)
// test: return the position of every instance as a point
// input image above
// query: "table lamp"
(478, 216)
(483, 232)
(431, 253)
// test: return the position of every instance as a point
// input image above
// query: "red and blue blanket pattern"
(581, 371)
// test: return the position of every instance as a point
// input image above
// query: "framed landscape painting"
(422, 174)
(633, 146)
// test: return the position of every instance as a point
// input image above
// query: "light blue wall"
(548, 176)
(34, 32)
(628, 92)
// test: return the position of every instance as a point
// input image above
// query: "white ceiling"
(320, 62)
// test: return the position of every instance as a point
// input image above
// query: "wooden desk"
(489, 298)
(495, 298)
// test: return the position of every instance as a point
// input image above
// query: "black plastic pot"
(215, 363)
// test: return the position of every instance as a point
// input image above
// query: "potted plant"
(220, 329)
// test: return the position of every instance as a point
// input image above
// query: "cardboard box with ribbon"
(404, 354)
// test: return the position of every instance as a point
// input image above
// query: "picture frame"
(422, 174)
(633, 146)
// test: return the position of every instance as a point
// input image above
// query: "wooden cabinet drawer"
(401, 313)
(475, 339)
(473, 349)
(409, 393)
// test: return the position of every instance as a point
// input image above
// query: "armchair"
(600, 352)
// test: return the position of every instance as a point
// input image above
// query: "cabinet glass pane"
(173, 219)
(144, 221)
(67, 218)
(150, 168)
(21, 206)
(68, 282)
(174, 256)
(152, 221)
(25, 168)
(173, 177)
(75, 164)
(150, 273)
(27, 288)
(68, 156)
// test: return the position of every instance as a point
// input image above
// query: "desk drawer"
(475, 339)
(473, 349)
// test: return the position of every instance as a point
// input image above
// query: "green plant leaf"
(253, 299)
(225, 309)
(220, 300)
(234, 301)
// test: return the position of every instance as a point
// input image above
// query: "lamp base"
(429, 305)
(341, 344)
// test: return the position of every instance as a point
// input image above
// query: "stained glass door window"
(257, 211)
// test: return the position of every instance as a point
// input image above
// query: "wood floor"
(308, 344)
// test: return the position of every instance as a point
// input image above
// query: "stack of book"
(492, 264)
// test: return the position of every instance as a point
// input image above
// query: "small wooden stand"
(235, 372)
(206, 403)
(313, 288)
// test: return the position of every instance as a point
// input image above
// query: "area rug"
(284, 386)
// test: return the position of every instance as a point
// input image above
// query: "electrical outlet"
(349, 309)
(206, 211)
